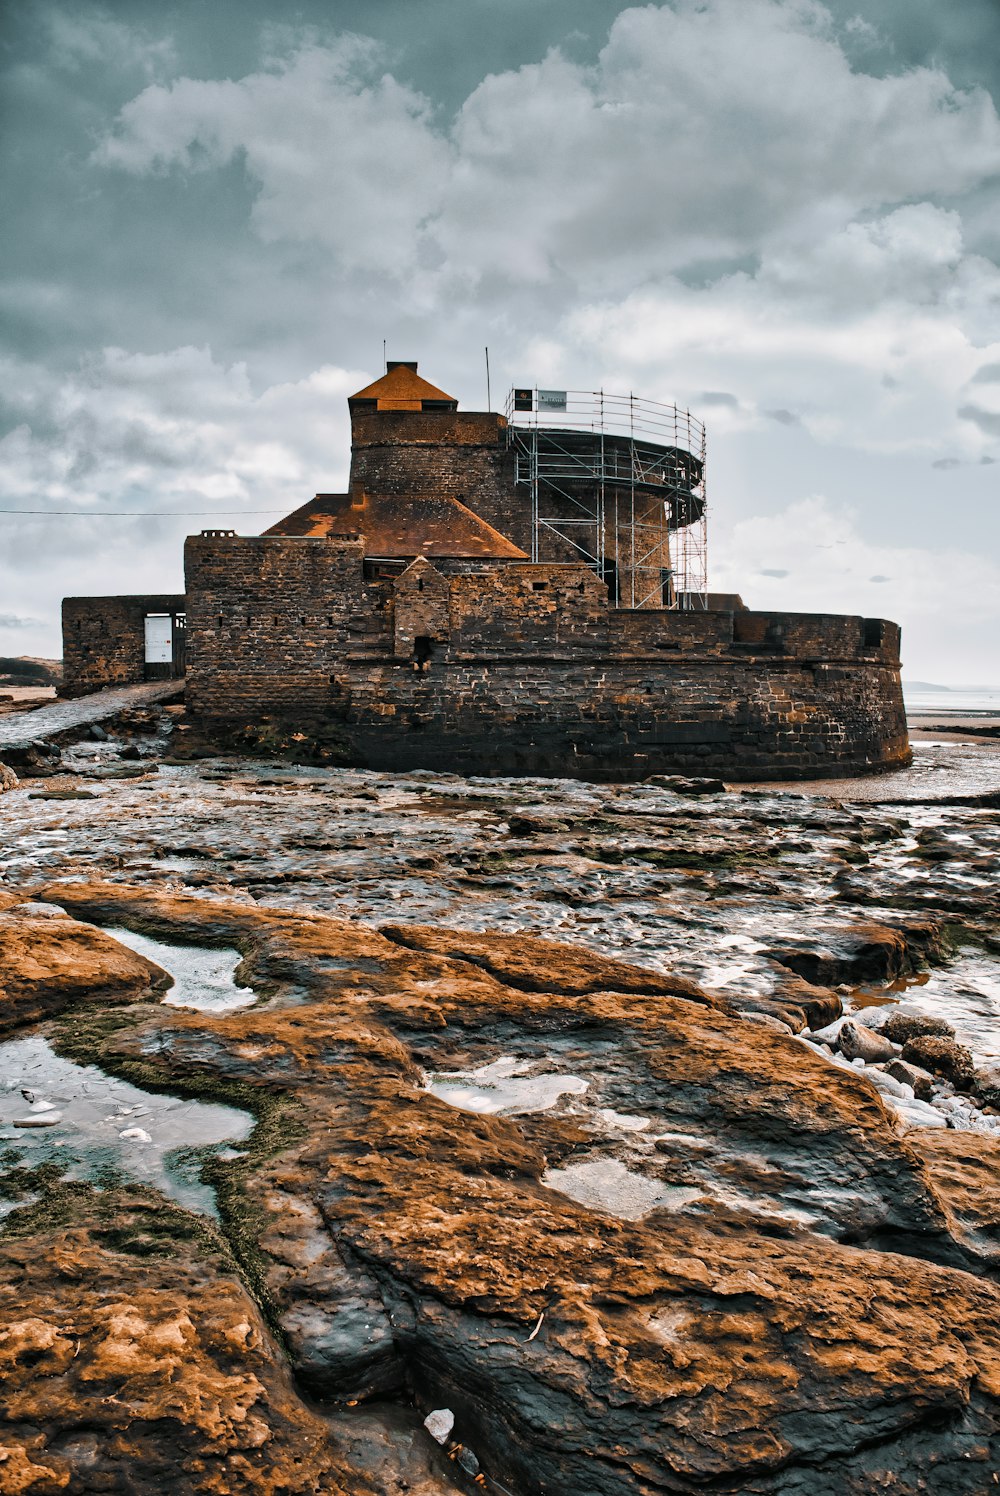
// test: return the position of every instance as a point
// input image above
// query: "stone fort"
(505, 594)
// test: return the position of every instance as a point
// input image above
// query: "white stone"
(439, 1424)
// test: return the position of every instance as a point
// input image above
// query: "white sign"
(159, 639)
(551, 399)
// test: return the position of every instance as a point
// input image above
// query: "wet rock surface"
(537, 1141)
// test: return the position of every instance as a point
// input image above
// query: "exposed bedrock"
(807, 1306)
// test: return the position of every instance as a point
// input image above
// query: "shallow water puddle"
(89, 1123)
(203, 976)
(502, 1086)
(606, 1184)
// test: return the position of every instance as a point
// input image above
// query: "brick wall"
(530, 671)
(104, 641)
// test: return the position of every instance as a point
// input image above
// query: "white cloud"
(707, 129)
(90, 35)
(141, 433)
(812, 557)
(868, 337)
(340, 155)
(170, 430)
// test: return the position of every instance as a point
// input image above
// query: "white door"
(159, 639)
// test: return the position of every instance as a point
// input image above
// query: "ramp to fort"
(23, 728)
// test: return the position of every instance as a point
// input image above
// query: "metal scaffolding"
(618, 483)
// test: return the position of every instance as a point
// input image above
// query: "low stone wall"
(104, 640)
(608, 719)
(515, 669)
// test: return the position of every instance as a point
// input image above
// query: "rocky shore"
(648, 1136)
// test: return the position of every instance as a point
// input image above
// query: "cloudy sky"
(780, 213)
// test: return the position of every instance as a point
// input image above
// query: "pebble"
(918, 1113)
(138, 1133)
(37, 910)
(921, 1082)
(439, 1424)
(39, 1119)
(889, 1084)
(860, 1043)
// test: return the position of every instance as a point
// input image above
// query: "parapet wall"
(529, 671)
(104, 639)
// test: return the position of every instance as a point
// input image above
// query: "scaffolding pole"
(618, 483)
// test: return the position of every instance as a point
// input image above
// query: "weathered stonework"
(104, 642)
(529, 671)
(432, 641)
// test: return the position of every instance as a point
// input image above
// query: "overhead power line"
(141, 513)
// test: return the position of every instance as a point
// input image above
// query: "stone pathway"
(22, 728)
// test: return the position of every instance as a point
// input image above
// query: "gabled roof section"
(402, 388)
(303, 520)
(435, 525)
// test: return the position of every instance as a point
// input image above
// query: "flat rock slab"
(794, 1299)
(30, 727)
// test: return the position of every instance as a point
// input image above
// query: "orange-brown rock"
(133, 1359)
(533, 965)
(48, 964)
(797, 1314)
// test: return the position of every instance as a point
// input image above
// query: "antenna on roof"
(489, 405)
(385, 361)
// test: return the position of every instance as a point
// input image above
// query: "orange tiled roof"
(435, 525)
(402, 388)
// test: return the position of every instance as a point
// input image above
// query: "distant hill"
(26, 670)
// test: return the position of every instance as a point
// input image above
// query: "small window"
(871, 633)
(422, 651)
(539, 586)
(420, 585)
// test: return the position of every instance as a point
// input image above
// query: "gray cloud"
(988, 374)
(783, 417)
(945, 464)
(772, 571)
(878, 578)
(986, 420)
(217, 215)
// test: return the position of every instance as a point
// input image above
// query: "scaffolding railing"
(610, 476)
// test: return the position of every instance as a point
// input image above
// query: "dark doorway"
(422, 651)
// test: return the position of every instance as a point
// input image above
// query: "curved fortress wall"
(525, 669)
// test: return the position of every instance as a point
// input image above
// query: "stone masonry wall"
(104, 641)
(530, 671)
(269, 617)
(462, 454)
